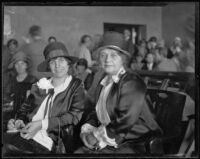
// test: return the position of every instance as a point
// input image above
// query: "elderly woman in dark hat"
(121, 114)
(19, 86)
(58, 102)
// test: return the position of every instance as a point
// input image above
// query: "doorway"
(138, 32)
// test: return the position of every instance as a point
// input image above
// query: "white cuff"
(103, 138)
(45, 123)
(87, 128)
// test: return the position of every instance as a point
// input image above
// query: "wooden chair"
(167, 107)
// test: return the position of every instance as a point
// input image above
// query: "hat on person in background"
(19, 56)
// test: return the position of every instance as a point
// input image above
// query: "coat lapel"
(59, 97)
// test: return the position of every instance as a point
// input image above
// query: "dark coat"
(18, 90)
(126, 105)
(88, 81)
(67, 108)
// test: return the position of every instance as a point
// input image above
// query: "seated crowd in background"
(98, 70)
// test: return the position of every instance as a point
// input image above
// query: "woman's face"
(21, 67)
(12, 47)
(59, 67)
(80, 69)
(88, 42)
(111, 61)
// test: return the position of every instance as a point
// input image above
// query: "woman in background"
(83, 74)
(19, 86)
(84, 49)
(137, 62)
(52, 39)
(149, 62)
(8, 52)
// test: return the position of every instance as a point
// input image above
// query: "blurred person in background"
(187, 58)
(12, 46)
(163, 63)
(19, 86)
(161, 45)
(141, 48)
(97, 39)
(151, 44)
(52, 39)
(8, 52)
(176, 48)
(129, 44)
(137, 62)
(84, 49)
(34, 49)
(149, 63)
(83, 74)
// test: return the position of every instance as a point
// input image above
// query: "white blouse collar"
(115, 78)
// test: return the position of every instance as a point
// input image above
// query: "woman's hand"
(89, 140)
(29, 131)
(11, 124)
(19, 124)
(15, 124)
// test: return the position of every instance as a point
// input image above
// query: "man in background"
(35, 49)
(129, 44)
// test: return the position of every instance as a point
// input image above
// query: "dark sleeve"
(30, 104)
(92, 119)
(73, 115)
(8, 89)
(26, 108)
(33, 79)
(88, 81)
(169, 53)
(131, 102)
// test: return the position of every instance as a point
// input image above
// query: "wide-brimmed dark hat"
(116, 41)
(19, 56)
(53, 50)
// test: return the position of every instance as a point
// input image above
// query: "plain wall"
(69, 23)
(178, 19)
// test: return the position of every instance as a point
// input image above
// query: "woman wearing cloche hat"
(19, 86)
(121, 113)
(58, 103)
